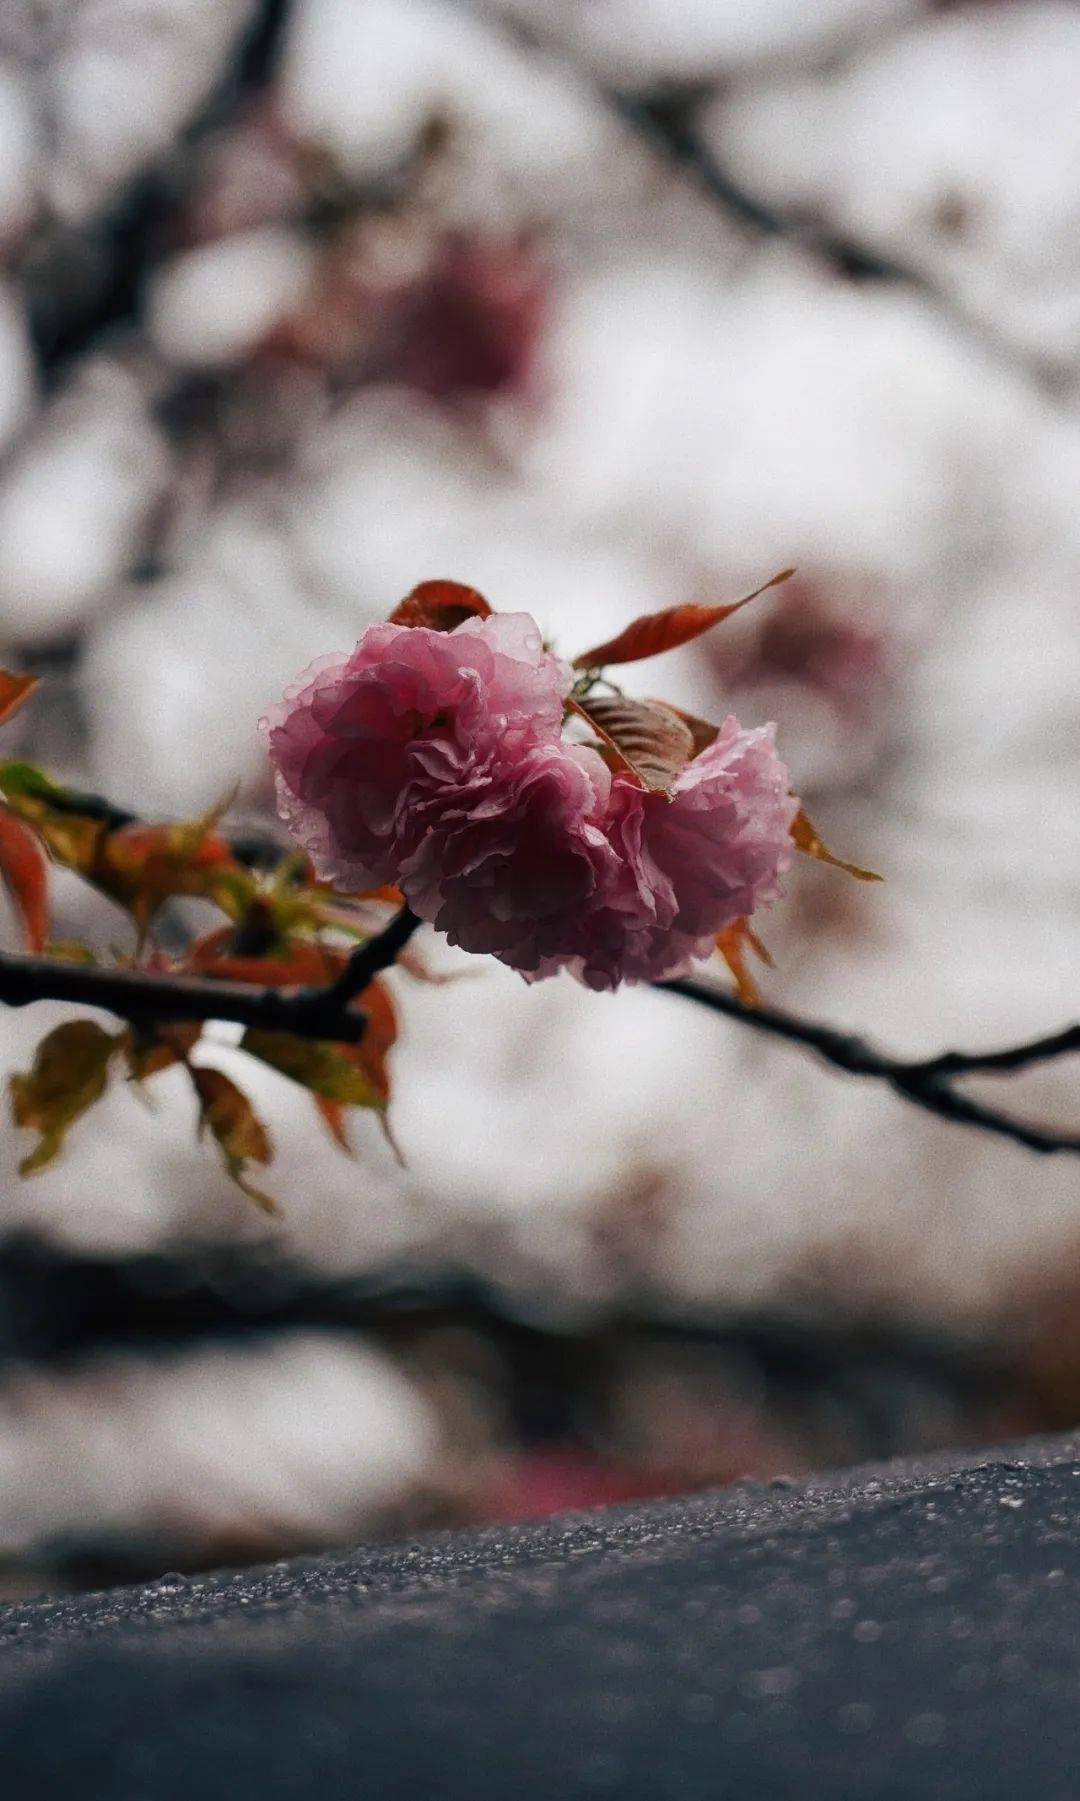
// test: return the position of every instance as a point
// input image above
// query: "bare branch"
(147, 998)
(926, 1083)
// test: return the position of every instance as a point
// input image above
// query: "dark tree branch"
(145, 998)
(926, 1082)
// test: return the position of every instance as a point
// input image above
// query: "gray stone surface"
(910, 1633)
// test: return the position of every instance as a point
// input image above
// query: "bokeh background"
(597, 305)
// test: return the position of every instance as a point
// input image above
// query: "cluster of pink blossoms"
(437, 761)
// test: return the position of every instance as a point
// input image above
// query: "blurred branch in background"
(535, 1418)
(666, 123)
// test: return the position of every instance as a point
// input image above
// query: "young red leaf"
(139, 866)
(69, 1073)
(441, 605)
(654, 633)
(416, 965)
(14, 689)
(24, 874)
(379, 1038)
(644, 739)
(805, 838)
(142, 866)
(389, 893)
(732, 944)
(332, 1114)
(302, 964)
(226, 1112)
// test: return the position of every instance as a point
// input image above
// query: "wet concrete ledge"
(904, 1633)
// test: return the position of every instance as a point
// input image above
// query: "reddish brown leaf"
(441, 605)
(301, 965)
(805, 838)
(14, 689)
(654, 633)
(69, 1073)
(24, 874)
(333, 1115)
(142, 866)
(702, 731)
(226, 1112)
(732, 944)
(379, 1038)
(644, 739)
(150, 1050)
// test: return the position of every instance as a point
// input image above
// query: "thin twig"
(925, 1082)
(147, 998)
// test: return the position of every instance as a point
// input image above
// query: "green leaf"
(70, 1072)
(72, 837)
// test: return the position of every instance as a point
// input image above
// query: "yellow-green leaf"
(226, 1112)
(325, 1068)
(69, 1073)
(71, 836)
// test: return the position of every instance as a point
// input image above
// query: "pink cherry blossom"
(373, 750)
(436, 761)
(520, 873)
(720, 844)
(685, 866)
